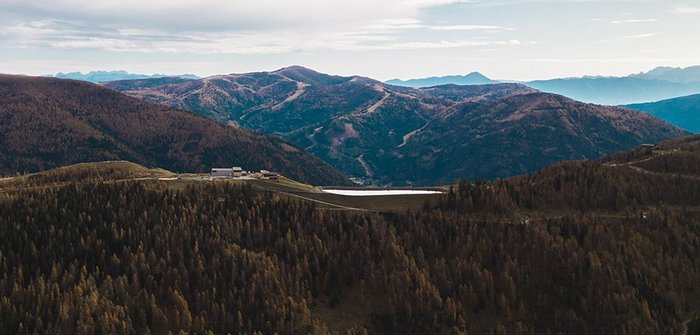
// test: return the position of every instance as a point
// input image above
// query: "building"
(238, 172)
(221, 172)
(265, 174)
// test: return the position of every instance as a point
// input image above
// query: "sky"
(382, 39)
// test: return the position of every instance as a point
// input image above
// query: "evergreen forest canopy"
(47, 123)
(605, 247)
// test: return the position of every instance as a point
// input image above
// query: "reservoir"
(379, 192)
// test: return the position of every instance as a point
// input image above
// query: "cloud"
(623, 60)
(629, 37)
(447, 44)
(637, 36)
(395, 24)
(230, 26)
(61, 34)
(634, 21)
(76, 35)
(685, 9)
(411, 23)
(465, 27)
(218, 15)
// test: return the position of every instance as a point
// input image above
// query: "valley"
(390, 135)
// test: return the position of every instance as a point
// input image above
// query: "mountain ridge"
(686, 75)
(657, 84)
(386, 134)
(473, 78)
(104, 76)
(50, 122)
(683, 112)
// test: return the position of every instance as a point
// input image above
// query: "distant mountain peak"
(477, 74)
(309, 76)
(663, 69)
(690, 74)
(472, 78)
(297, 68)
(114, 75)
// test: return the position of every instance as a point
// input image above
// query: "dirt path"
(301, 88)
(654, 156)
(411, 133)
(312, 138)
(661, 174)
(377, 104)
(365, 166)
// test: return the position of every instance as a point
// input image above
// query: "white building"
(265, 174)
(221, 172)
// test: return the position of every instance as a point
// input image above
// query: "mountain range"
(683, 112)
(387, 134)
(616, 90)
(48, 122)
(101, 76)
(657, 84)
(673, 74)
(474, 78)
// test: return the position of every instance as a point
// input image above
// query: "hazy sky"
(383, 39)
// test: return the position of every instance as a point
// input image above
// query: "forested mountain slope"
(683, 112)
(47, 122)
(387, 134)
(603, 247)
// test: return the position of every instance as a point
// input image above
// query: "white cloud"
(411, 23)
(636, 36)
(395, 24)
(685, 9)
(371, 37)
(634, 21)
(225, 26)
(206, 15)
(75, 35)
(630, 37)
(445, 44)
(465, 27)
